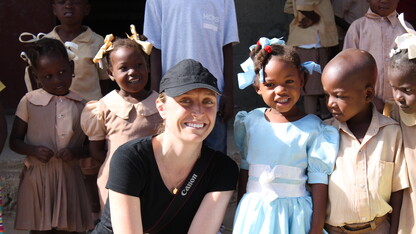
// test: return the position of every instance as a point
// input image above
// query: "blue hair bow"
(247, 77)
(312, 66)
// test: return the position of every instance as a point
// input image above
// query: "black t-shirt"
(134, 171)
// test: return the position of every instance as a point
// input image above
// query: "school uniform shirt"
(408, 126)
(350, 10)
(52, 194)
(117, 121)
(87, 74)
(376, 35)
(366, 173)
(324, 32)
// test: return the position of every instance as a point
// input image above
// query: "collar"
(407, 119)
(392, 17)
(116, 104)
(377, 121)
(85, 36)
(40, 97)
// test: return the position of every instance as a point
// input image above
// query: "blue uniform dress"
(281, 158)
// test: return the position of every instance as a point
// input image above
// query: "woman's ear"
(161, 108)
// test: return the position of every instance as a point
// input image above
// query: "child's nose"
(132, 72)
(280, 89)
(399, 96)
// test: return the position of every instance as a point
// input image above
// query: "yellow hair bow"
(108, 46)
(147, 46)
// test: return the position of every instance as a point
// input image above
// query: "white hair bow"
(406, 40)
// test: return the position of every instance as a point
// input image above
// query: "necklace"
(175, 187)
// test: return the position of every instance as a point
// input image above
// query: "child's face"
(54, 73)
(71, 11)
(383, 7)
(404, 90)
(345, 99)
(282, 85)
(128, 69)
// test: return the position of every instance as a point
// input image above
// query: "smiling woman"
(172, 181)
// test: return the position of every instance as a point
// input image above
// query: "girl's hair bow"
(406, 40)
(146, 46)
(247, 77)
(108, 46)
(311, 66)
(70, 48)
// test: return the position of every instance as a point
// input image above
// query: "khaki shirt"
(325, 28)
(87, 74)
(376, 35)
(366, 173)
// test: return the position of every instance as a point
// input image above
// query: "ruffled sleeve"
(322, 155)
(240, 137)
(92, 121)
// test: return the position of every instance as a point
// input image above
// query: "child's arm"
(242, 184)
(310, 19)
(98, 150)
(227, 98)
(319, 200)
(18, 144)
(395, 202)
(155, 68)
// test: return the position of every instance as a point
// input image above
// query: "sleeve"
(400, 176)
(322, 155)
(127, 171)
(352, 38)
(21, 110)
(307, 5)
(231, 28)
(240, 137)
(92, 121)
(225, 174)
(152, 27)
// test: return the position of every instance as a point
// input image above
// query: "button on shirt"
(366, 173)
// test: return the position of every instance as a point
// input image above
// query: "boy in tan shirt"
(365, 190)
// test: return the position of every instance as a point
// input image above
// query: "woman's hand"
(210, 213)
(126, 217)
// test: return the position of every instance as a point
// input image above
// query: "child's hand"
(44, 154)
(310, 19)
(66, 154)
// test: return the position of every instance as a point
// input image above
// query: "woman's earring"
(73, 75)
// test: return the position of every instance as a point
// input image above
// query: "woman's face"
(190, 116)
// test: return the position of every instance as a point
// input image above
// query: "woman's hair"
(125, 42)
(46, 47)
(261, 57)
(161, 126)
(400, 62)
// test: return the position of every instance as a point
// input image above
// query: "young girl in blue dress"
(283, 149)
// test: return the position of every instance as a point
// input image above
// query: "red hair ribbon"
(268, 49)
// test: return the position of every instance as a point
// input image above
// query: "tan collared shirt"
(325, 28)
(117, 121)
(376, 35)
(407, 213)
(350, 10)
(87, 74)
(366, 173)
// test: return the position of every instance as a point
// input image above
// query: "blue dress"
(281, 158)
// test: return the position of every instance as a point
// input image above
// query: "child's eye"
(269, 85)
(289, 81)
(48, 77)
(408, 90)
